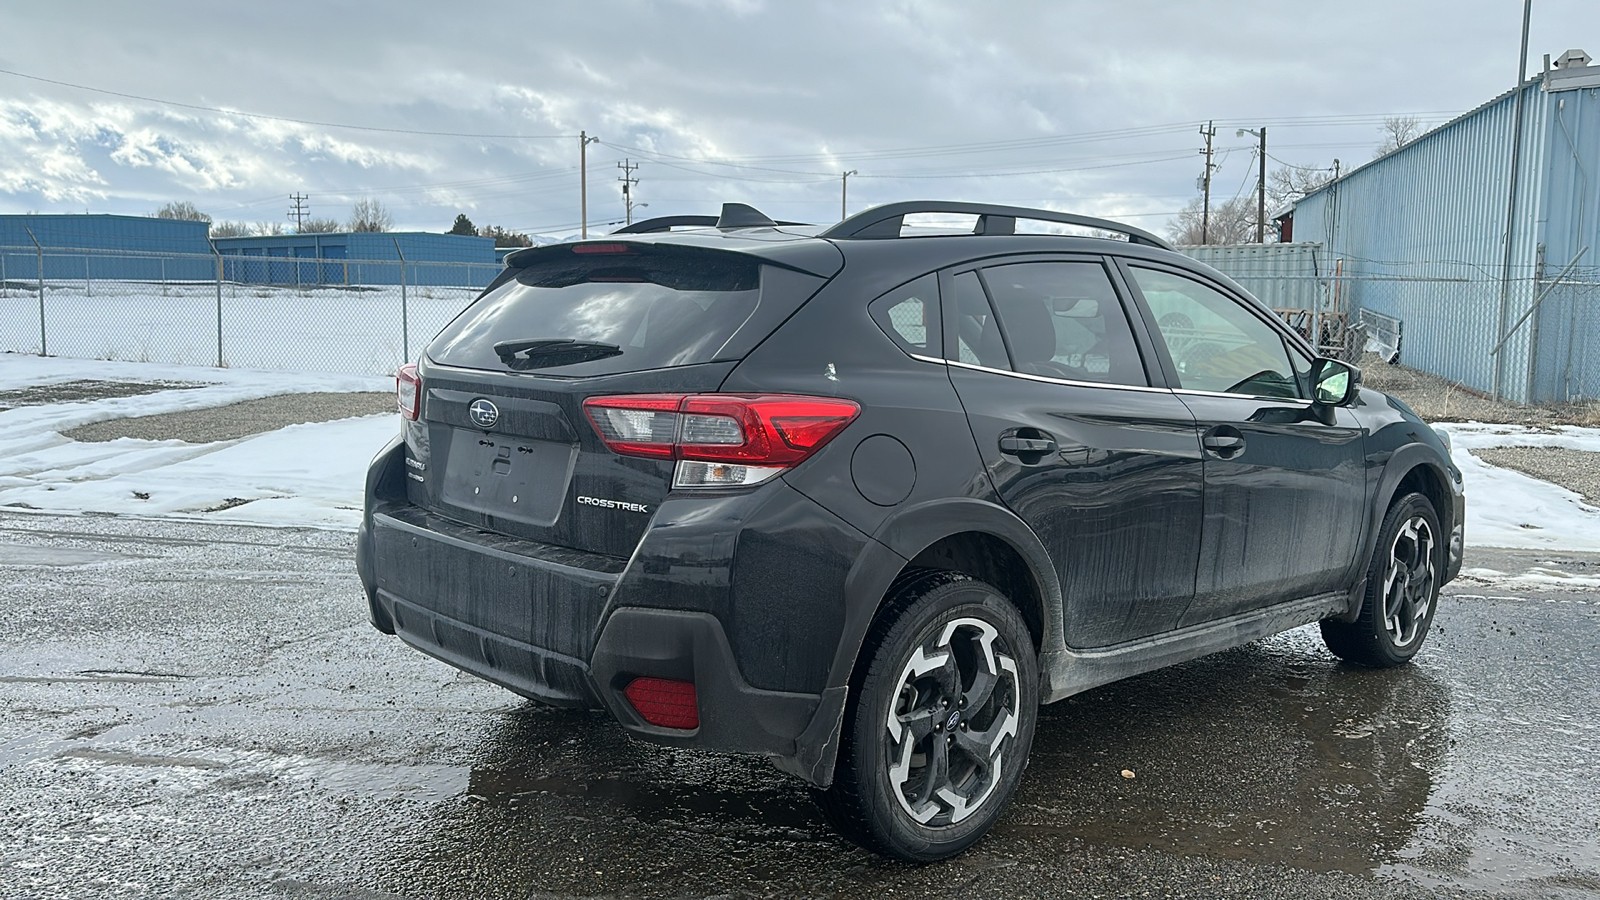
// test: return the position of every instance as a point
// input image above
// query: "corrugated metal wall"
(360, 258)
(1283, 276)
(1420, 235)
(1566, 329)
(124, 248)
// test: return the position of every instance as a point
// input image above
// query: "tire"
(1402, 589)
(941, 718)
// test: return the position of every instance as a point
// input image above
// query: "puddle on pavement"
(86, 389)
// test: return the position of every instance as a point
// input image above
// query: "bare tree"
(182, 209)
(1286, 184)
(230, 229)
(1397, 132)
(369, 214)
(1232, 222)
(266, 228)
(320, 226)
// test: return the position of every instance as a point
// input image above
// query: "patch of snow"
(1506, 508)
(303, 475)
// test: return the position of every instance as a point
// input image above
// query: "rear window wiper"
(536, 353)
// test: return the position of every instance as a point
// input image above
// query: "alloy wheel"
(952, 723)
(1408, 587)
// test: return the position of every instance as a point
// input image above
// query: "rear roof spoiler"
(734, 215)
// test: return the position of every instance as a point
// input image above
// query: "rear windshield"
(570, 313)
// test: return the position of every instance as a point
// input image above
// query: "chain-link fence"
(1530, 338)
(319, 315)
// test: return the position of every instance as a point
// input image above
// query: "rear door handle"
(1028, 440)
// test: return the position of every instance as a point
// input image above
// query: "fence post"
(405, 325)
(88, 285)
(43, 350)
(218, 256)
(163, 262)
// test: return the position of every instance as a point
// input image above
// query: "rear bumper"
(573, 629)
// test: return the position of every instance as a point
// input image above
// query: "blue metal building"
(80, 247)
(360, 258)
(1421, 234)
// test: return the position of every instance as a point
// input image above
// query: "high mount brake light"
(720, 439)
(408, 391)
(600, 248)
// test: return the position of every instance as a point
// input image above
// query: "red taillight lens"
(408, 391)
(599, 248)
(775, 430)
(665, 702)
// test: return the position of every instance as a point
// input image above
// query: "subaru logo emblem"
(483, 413)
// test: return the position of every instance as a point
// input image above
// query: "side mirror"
(1334, 383)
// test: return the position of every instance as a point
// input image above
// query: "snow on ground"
(313, 474)
(305, 475)
(1506, 508)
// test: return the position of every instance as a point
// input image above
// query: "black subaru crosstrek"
(859, 501)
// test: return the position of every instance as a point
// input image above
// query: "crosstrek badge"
(613, 504)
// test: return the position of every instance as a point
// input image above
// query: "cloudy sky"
(440, 108)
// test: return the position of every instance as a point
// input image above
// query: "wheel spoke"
(936, 774)
(919, 723)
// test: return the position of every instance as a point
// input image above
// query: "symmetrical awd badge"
(483, 413)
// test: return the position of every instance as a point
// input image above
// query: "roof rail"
(667, 223)
(885, 221)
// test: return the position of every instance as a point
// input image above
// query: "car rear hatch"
(503, 442)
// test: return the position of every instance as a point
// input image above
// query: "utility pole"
(628, 167)
(1261, 192)
(583, 179)
(298, 211)
(1208, 132)
(844, 191)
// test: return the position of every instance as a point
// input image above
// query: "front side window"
(1216, 343)
(1063, 320)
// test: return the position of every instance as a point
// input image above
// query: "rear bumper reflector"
(665, 702)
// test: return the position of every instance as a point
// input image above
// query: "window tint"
(978, 340)
(1216, 343)
(1063, 320)
(910, 314)
(657, 306)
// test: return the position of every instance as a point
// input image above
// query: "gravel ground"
(228, 423)
(1575, 470)
(66, 392)
(1439, 400)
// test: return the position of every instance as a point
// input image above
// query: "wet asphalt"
(191, 710)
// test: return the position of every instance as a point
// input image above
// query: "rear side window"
(647, 307)
(1064, 320)
(910, 315)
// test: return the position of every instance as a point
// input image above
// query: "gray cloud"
(1030, 102)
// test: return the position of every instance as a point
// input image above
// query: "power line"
(272, 118)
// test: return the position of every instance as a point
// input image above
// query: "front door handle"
(1223, 441)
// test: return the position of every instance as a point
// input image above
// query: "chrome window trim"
(1067, 381)
(1297, 401)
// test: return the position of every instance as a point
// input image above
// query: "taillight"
(665, 702)
(720, 439)
(408, 391)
